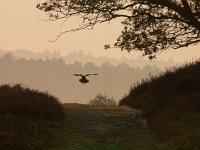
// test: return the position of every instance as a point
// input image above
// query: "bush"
(178, 87)
(22, 133)
(102, 100)
(20, 101)
(24, 114)
(171, 102)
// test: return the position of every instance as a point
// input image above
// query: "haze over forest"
(49, 71)
(88, 57)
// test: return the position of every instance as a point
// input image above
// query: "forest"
(55, 76)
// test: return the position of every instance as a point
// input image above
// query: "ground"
(103, 128)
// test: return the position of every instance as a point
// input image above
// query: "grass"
(171, 103)
(83, 127)
(110, 128)
(22, 101)
(24, 114)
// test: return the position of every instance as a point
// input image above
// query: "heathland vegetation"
(171, 104)
(33, 120)
(24, 115)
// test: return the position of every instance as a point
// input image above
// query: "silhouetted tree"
(102, 100)
(150, 26)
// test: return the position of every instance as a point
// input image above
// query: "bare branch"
(150, 26)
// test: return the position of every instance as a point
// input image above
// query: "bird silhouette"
(83, 79)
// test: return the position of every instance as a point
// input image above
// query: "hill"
(24, 116)
(171, 103)
(34, 120)
(84, 127)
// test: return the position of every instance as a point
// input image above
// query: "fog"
(54, 73)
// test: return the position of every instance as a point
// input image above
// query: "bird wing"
(77, 74)
(91, 74)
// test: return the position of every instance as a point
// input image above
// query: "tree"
(150, 26)
(102, 100)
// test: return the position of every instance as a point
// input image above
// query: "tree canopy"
(150, 26)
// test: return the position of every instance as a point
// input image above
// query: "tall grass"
(24, 114)
(171, 104)
(178, 87)
(21, 101)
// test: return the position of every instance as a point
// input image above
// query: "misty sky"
(21, 28)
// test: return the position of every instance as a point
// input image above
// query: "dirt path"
(113, 128)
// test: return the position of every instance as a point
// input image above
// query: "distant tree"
(89, 65)
(150, 26)
(8, 57)
(102, 100)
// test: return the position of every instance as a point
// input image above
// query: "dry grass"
(23, 115)
(166, 100)
(21, 101)
(109, 128)
(178, 87)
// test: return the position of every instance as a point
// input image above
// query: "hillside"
(24, 117)
(34, 120)
(83, 128)
(171, 103)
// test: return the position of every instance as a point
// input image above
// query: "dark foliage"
(151, 26)
(22, 133)
(102, 100)
(20, 101)
(171, 103)
(24, 117)
(177, 87)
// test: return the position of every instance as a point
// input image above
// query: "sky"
(21, 27)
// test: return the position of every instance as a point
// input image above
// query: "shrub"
(24, 114)
(20, 101)
(102, 100)
(177, 87)
(22, 133)
(171, 102)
